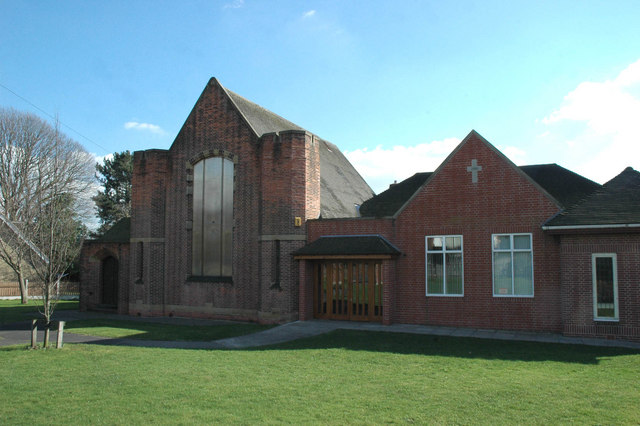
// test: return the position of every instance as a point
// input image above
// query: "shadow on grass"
(139, 330)
(458, 347)
(12, 311)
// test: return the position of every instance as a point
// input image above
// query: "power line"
(54, 118)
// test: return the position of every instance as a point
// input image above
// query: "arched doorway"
(109, 280)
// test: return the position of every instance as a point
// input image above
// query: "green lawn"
(156, 331)
(13, 311)
(341, 377)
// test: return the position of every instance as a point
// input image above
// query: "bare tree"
(44, 196)
(20, 137)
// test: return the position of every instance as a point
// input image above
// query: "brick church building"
(250, 217)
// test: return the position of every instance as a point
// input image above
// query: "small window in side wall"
(605, 286)
(444, 265)
(512, 265)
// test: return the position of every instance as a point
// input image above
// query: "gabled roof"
(473, 135)
(565, 186)
(348, 245)
(616, 204)
(387, 203)
(341, 186)
(119, 233)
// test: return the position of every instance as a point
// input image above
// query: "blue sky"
(395, 84)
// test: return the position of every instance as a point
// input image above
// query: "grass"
(14, 311)
(157, 331)
(341, 377)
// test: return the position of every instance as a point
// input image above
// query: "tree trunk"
(45, 344)
(46, 306)
(24, 290)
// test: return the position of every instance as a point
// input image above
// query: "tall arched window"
(212, 217)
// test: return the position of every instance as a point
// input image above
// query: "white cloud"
(309, 13)
(597, 123)
(144, 126)
(516, 155)
(382, 166)
(100, 158)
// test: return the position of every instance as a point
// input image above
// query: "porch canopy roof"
(348, 247)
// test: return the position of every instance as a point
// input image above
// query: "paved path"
(19, 333)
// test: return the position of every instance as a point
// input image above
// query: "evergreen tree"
(114, 201)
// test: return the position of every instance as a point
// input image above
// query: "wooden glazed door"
(348, 290)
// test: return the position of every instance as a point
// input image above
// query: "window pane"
(501, 242)
(198, 185)
(212, 216)
(604, 285)
(212, 231)
(453, 243)
(227, 217)
(523, 274)
(522, 242)
(454, 273)
(502, 273)
(435, 281)
(434, 243)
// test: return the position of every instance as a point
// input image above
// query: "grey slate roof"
(260, 119)
(387, 203)
(348, 245)
(616, 203)
(341, 186)
(564, 185)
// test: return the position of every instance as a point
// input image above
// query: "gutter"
(571, 227)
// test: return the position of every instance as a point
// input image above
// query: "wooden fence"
(67, 290)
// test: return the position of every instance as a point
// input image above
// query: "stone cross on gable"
(474, 169)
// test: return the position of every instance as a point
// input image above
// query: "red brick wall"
(148, 216)
(350, 226)
(92, 255)
(502, 201)
(577, 284)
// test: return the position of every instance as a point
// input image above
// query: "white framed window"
(444, 271)
(605, 286)
(512, 265)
